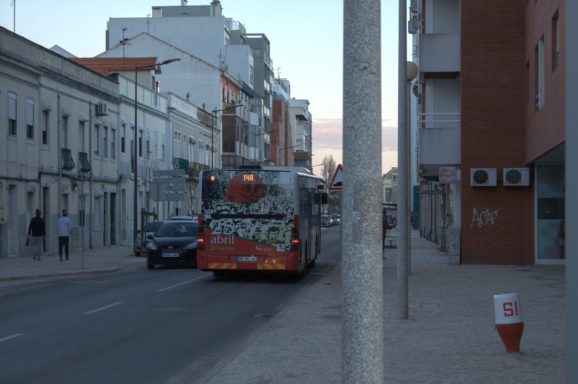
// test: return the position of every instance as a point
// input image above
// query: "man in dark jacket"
(36, 233)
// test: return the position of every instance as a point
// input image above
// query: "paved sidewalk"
(450, 337)
(107, 259)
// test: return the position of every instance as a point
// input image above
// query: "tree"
(327, 174)
(328, 168)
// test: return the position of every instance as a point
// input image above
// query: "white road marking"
(11, 337)
(102, 308)
(180, 284)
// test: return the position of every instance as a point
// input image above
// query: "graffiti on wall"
(484, 217)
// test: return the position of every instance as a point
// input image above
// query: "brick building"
(491, 107)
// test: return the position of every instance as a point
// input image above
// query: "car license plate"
(246, 259)
(170, 254)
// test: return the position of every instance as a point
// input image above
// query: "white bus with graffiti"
(259, 219)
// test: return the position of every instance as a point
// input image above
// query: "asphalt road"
(140, 326)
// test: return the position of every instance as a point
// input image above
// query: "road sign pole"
(361, 241)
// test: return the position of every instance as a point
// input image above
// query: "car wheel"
(150, 264)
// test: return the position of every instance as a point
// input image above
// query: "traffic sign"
(337, 179)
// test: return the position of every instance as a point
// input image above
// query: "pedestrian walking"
(63, 228)
(36, 233)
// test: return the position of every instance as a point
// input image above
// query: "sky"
(306, 39)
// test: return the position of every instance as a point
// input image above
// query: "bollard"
(509, 322)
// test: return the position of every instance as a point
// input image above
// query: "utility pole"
(361, 232)
(403, 143)
(571, 221)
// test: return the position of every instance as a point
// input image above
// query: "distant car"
(175, 243)
(326, 220)
(150, 229)
(336, 218)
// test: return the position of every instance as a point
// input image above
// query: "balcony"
(439, 52)
(439, 139)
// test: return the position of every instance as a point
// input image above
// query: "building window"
(539, 74)
(46, 125)
(12, 108)
(163, 152)
(64, 132)
(191, 149)
(29, 118)
(81, 133)
(140, 144)
(104, 141)
(112, 143)
(97, 140)
(123, 138)
(148, 148)
(555, 42)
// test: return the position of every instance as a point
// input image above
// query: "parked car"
(336, 218)
(150, 229)
(326, 220)
(175, 243)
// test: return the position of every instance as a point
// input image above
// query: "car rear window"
(178, 229)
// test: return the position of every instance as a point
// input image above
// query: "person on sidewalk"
(36, 233)
(63, 229)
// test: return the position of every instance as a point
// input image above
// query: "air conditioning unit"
(516, 177)
(483, 177)
(101, 109)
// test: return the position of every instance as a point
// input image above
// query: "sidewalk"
(450, 337)
(106, 259)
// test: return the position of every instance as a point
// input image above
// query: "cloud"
(328, 140)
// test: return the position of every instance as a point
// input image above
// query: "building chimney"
(216, 9)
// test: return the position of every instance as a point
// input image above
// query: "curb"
(60, 274)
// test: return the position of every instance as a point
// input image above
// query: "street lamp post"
(213, 122)
(135, 150)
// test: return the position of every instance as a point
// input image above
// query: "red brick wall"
(493, 100)
(545, 128)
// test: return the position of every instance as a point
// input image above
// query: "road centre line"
(11, 337)
(102, 308)
(180, 284)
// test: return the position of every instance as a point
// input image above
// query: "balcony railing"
(440, 120)
(84, 165)
(66, 159)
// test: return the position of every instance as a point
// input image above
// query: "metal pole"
(571, 221)
(212, 137)
(361, 239)
(82, 218)
(135, 162)
(403, 170)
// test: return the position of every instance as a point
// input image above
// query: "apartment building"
(59, 147)
(491, 127)
(223, 43)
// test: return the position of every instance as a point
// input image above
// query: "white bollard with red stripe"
(509, 321)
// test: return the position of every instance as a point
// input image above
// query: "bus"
(259, 219)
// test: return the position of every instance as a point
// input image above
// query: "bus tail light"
(295, 234)
(200, 234)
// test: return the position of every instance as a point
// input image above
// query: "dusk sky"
(306, 47)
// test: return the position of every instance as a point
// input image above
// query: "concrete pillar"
(361, 228)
